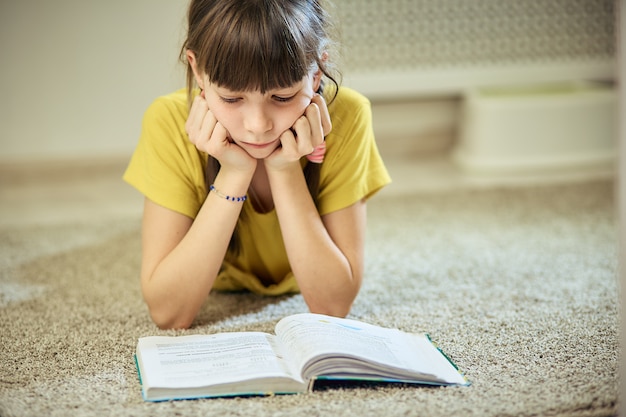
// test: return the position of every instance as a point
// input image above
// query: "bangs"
(261, 47)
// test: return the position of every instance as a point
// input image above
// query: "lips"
(261, 145)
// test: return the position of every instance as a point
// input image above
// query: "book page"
(310, 336)
(197, 360)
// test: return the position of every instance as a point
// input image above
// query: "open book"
(305, 348)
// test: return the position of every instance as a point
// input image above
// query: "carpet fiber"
(518, 286)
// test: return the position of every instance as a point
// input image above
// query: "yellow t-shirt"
(168, 169)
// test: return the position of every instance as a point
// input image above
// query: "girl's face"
(256, 121)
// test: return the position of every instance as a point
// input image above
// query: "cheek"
(226, 117)
(295, 111)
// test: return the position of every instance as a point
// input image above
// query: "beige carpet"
(518, 286)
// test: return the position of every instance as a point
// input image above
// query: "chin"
(261, 153)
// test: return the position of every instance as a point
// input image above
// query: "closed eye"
(229, 100)
(283, 99)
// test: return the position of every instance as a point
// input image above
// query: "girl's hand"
(211, 137)
(307, 132)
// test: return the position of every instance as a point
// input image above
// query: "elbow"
(166, 312)
(332, 310)
(167, 323)
(337, 306)
(166, 320)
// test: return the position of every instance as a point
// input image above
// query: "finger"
(198, 108)
(289, 144)
(324, 114)
(197, 112)
(313, 116)
(217, 140)
(206, 128)
(304, 133)
(220, 134)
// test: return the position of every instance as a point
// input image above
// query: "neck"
(260, 192)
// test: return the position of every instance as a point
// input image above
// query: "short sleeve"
(353, 168)
(166, 167)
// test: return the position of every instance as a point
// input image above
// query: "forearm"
(179, 284)
(328, 281)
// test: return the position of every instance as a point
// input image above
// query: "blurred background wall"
(78, 74)
(417, 60)
(439, 47)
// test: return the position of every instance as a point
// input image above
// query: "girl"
(246, 186)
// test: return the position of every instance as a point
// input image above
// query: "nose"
(257, 121)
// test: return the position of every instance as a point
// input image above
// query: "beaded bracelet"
(226, 197)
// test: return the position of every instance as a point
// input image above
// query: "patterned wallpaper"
(391, 35)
